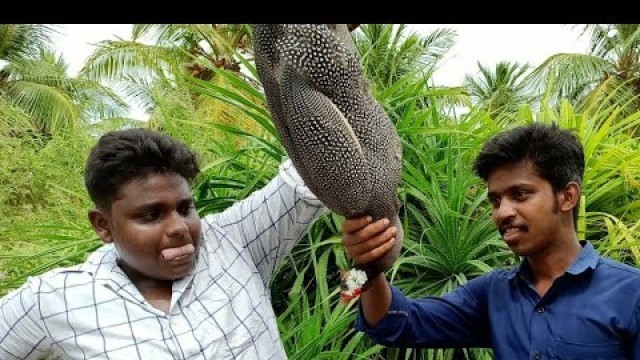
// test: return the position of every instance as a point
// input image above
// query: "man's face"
(525, 208)
(154, 226)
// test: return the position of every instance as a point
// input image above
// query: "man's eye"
(519, 194)
(186, 209)
(495, 202)
(150, 215)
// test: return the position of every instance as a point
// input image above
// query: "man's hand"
(365, 240)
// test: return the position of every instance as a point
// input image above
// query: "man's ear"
(100, 222)
(570, 196)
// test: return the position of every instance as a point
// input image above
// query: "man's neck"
(156, 292)
(553, 263)
(144, 282)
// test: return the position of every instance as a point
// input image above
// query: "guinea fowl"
(341, 141)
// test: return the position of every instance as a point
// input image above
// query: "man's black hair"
(125, 155)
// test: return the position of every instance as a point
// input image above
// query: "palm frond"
(117, 60)
(388, 52)
(502, 89)
(567, 74)
(24, 41)
(50, 107)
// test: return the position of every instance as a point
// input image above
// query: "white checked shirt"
(221, 310)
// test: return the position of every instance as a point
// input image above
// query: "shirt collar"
(103, 265)
(587, 259)
(102, 262)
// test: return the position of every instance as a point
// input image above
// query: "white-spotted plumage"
(339, 138)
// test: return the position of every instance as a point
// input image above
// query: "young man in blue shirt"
(563, 302)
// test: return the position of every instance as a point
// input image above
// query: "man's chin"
(181, 274)
(177, 273)
(518, 249)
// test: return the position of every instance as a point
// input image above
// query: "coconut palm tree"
(394, 59)
(612, 65)
(152, 68)
(388, 52)
(35, 81)
(23, 41)
(162, 51)
(501, 90)
(19, 43)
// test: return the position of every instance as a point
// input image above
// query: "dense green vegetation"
(190, 80)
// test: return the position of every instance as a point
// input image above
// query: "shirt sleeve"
(21, 333)
(273, 219)
(457, 319)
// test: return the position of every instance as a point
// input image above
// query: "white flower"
(351, 284)
(359, 277)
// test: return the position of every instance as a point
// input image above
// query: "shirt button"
(540, 310)
(537, 356)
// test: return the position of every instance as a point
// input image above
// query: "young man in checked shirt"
(166, 284)
(563, 302)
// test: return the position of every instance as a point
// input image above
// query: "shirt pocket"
(573, 351)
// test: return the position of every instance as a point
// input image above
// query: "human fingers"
(378, 240)
(355, 224)
(374, 253)
(365, 233)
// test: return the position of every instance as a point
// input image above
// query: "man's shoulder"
(57, 279)
(616, 268)
(505, 273)
(72, 276)
(618, 281)
(65, 274)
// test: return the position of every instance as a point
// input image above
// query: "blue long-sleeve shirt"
(590, 312)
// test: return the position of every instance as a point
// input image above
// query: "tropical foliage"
(612, 67)
(35, 86)
(500, 91)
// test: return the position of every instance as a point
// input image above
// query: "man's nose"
(504, 211)
(176, 225)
